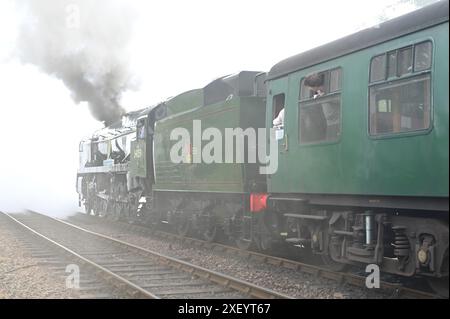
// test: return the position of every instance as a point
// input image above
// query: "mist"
(39, 142)
(62, 79)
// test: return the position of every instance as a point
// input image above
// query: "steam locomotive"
(362, 174)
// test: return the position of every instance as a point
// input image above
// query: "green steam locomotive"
(359, 161)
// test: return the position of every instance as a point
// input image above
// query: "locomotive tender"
(362, 172)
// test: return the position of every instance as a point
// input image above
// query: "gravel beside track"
(24, 276)
(286, 281)
(140, 272)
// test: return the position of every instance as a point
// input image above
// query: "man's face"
(317, 88)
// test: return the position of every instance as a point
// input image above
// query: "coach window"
(278, 105)
(422, 56)
(320, 107)
(278, 119)
(377, 69)
(392, 64)
(402, 103)
(103, 147)
(404, 61)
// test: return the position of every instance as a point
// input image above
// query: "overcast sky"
(175, 46)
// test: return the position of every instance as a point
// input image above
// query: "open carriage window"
(320, 107)
(278, 110)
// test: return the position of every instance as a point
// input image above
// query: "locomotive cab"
(138, 167)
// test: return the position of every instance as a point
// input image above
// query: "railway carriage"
(363, 168)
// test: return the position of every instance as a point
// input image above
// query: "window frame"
(274, 116)
(411, 75)
(328, 95)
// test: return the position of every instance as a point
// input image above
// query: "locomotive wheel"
(123, 211)
(264, 240)
(133, 211)
(243, 242)
(115, 212)
(153, 220)
(183, 224)
(210, 232)
(126, 211)
(88, 207)
(96, 207)
(264, 243)
(104, 208)
(111, 209)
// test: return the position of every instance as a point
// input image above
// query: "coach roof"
(420, 19)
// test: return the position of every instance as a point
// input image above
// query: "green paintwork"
(185, 101)
(138, 167)
(215, 177)
(410, 165)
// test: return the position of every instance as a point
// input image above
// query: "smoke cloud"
(84, 43)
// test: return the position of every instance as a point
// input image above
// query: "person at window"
(141, 132)
(278, 122)
(316, 82)
(314, 122)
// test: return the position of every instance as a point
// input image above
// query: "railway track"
(395, 290)
(126, 270)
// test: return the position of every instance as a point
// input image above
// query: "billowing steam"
(83, 43)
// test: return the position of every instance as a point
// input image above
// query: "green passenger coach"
(363, 158)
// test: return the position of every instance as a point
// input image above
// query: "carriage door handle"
(285, 144)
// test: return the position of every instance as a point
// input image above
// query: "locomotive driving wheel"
(88, 205)
(103, 208)
(209, 230)
(264, 241)
(96, 207)
(245, 238)
(267, 227)
(116, 210)
(133, 206)
(183, 223)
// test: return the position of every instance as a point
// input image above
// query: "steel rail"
(119, 282)
(395, 290)
(213, 276)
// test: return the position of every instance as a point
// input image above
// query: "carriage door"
(276, 101)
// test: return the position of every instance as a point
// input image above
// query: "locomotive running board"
(293, 199)
(313, 217)
(116, 168)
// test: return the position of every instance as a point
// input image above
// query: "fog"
(39, 142)
(58, 82)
